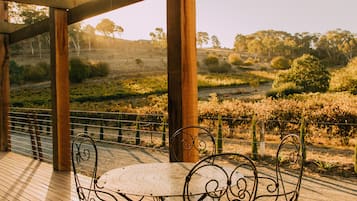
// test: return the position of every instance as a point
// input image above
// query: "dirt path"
(243, 91)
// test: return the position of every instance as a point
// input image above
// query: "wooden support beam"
(182, 70)
(94, 8)
(30, 31)
(4, 82)
(60, 89)
(64, 4)
(75, 15)
(6, 28)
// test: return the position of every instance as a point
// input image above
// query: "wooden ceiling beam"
(7, 28)
(76, 14)
(64, 4)
(94, 8)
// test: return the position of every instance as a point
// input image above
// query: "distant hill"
(123, 56)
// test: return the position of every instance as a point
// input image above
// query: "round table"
(154, 179)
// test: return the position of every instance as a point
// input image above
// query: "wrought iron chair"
(285, 185)
(204, 142)
(85, 160)
(226, 176)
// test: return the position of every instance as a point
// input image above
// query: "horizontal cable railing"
(31, 130)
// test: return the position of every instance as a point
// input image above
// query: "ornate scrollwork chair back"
(226, 176)
(288, 171)
(85, 161)
(197, 137)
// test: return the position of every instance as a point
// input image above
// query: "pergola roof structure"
(181, 70)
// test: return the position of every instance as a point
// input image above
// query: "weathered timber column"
(60, 89)
(4, 82)
(182, 71)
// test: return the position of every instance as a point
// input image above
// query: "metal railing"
(31, 131)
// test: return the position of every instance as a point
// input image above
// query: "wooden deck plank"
(22, 178)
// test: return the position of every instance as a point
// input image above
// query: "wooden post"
(182, 71)
(262, 139)
(4, 82)
(60, 90)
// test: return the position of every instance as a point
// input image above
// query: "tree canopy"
(307, 73)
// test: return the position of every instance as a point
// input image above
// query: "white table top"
(154, 179)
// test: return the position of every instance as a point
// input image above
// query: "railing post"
(101, 131)
(120, 131)
(302, 138)
(262, 139)
(32, 137)
(163, 138)
(254, 139)
(219, 135)
(37, 137)
(355, 156)
(137, 133)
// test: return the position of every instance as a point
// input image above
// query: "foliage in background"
(20, 74)
(307, 73)
(284, 90)
(17, 73)
(280, 62)
(235, 59)
(345, 79)
(81, 69)
(282, 115)
(223, 67)
(211, 60)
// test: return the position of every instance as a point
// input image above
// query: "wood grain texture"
(76, 14)
(4, 82)
(60, 89)
(23, 178)
(182, 70)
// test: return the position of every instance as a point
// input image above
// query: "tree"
(30, 14)
(337, 46)
(75, 36)
(158, 38)
(240, 43)
(118, 29)
(107, 27)
(215, 42)
(280, 62)
(307, 73)
(90, 34)
(202, 38)
(211, 60)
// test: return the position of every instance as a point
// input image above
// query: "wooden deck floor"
(22, 178)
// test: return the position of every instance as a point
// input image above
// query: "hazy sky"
(227, 18)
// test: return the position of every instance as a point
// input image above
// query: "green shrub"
(79, 70)
(280, 62)
(345, 79)
(211, 60)
(37, 73)
(139, 62)
(235, 59)
(224, 67)
(17, 73)
(249, 62)
(100, 69)
(284, 90)
(306, 73)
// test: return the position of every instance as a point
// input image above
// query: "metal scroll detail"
(193, 137)
(226, 176)
(85, 160)
(289, 160)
